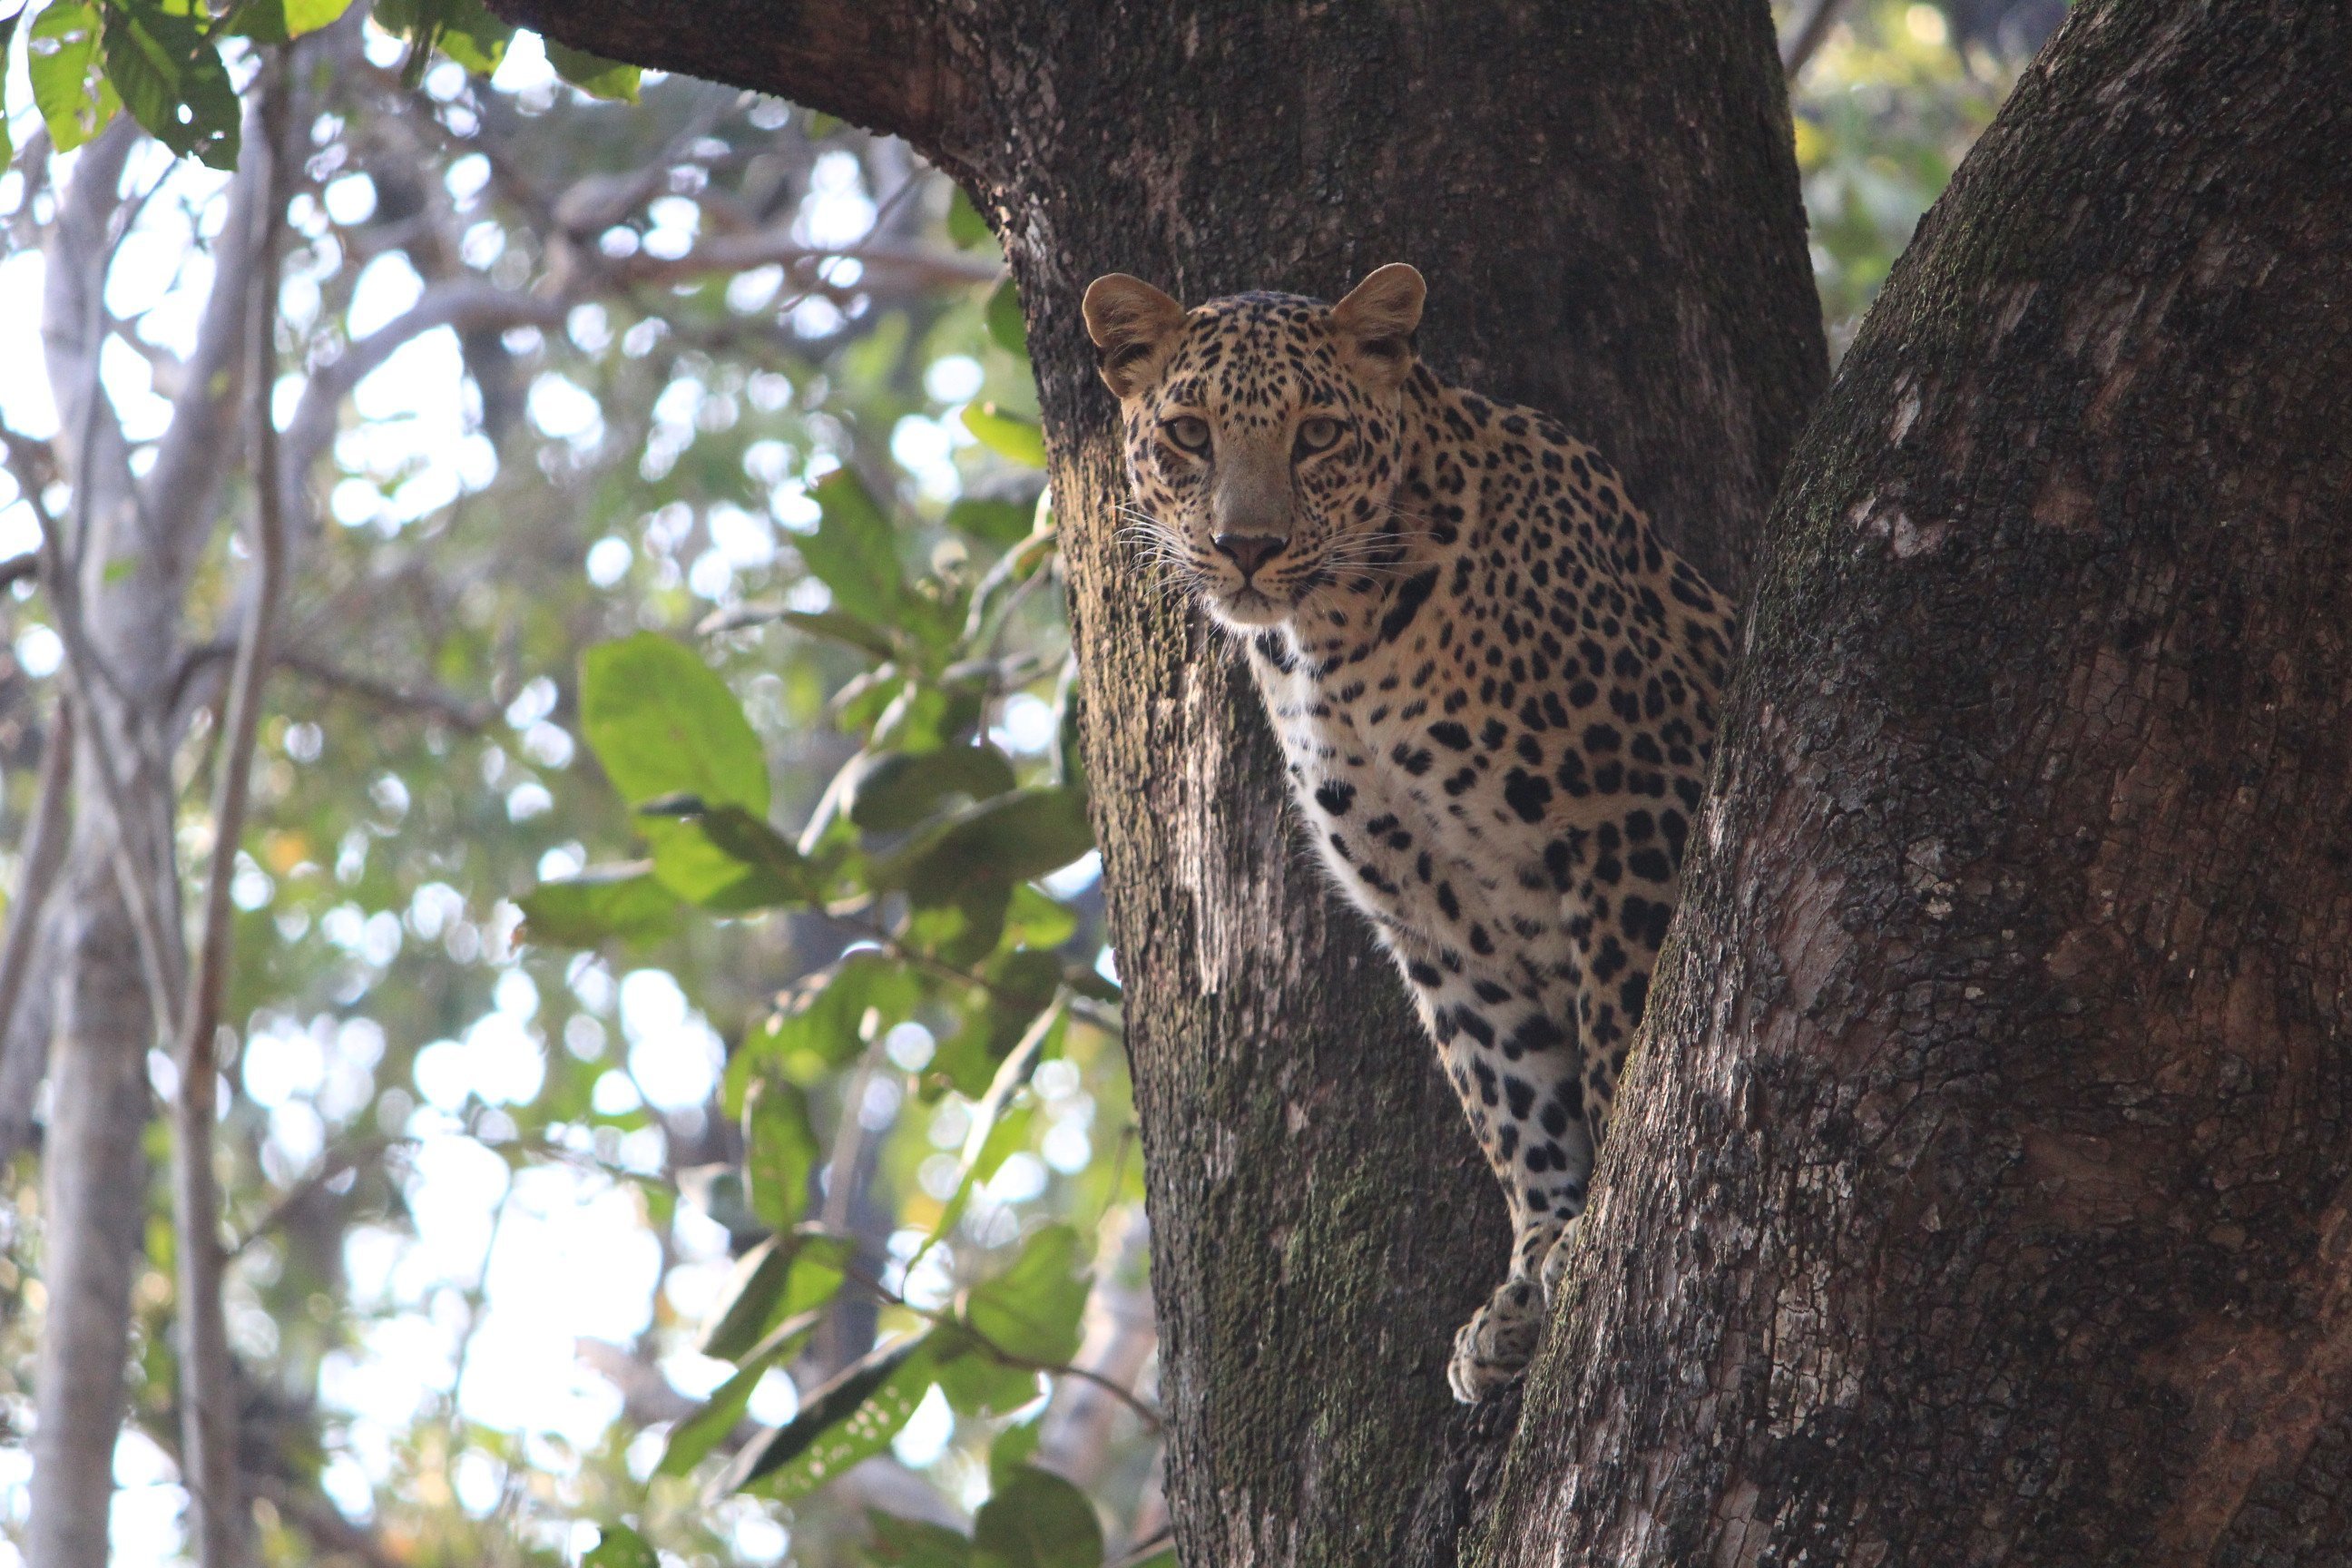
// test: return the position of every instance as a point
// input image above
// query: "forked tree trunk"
(1604, 199)
(1985, 1193)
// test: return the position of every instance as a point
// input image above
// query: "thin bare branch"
(434, 702)
(904, 264)
(1809, 30)
(207, 1398)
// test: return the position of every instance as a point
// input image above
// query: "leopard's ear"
(1134, 325)
(1376, 322)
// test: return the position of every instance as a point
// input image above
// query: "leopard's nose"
(1248, 550)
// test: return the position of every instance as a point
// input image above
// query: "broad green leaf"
(1036, 919)
(618, 1546)
(912, 1543)
(966, 227)
(1008, 838)
(1007, 434)
(853, 1418)
(1036, 1520)
(780, 1151)
(926, 715)
(1004, 322)
(661, 722)
(998, 1019)
(854, 551)
(995, 521)
(1031, 1310)
(894, 791)
(611, 903)
(1013, 1447)
(172, 79)
(961, 925)
(592, 74)
(702, 1431)
(280, 21)
(824, 1021)
(75, 97)
(776, 1281)
(975, 1379)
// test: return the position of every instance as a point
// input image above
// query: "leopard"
(1494, 689)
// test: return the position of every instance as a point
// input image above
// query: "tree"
(1609, 191)
(1985, 1196)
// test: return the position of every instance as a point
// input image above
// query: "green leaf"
(843, 627)
(1004, 324)
(822, 1021)
(1031, 1310)
(966, 227)
(776, 1281)
(75, 97)
(1036, 919)
(1038, 1521)
(854, 551)
(780, 1151)
(608, 903)
(975, 1379)
(662, 722)
(912, 1543)
(852, 1417)
(280, 21)
(1008, 839)
(894, 791)
(997, 1129)
(1007, 434)
(172, 79)
(993, 521)
(7, 37)
(710, 1423)
(592, 74)
(618, 1546)
(1013, 1447)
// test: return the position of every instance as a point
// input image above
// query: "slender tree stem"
(44, 857)
(207, 1395)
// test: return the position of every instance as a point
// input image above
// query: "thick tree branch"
(897, 66)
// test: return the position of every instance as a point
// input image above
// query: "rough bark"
(1604, 199)
(1985, 1193)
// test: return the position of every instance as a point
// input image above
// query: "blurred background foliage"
(680, 1112)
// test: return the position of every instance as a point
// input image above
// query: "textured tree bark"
(1985, 1193)
(1604, 199)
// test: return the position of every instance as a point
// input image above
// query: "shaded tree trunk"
(1985, 1193)
(1604, 199)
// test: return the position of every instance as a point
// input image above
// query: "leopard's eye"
(1190, 434)
(1316, 433)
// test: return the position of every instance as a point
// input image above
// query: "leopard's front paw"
(1495, 1345)
(1555, 1266)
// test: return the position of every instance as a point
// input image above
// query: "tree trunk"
(1985, 1192)
(1604, 199)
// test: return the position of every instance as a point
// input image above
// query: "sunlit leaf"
(74, 96)
(781, 1278)
(622, 903)
(1007, 434)
(618, 1546)
(7, 37)
(995, 521)
(852, 1417)
(279, 21)
(1013, 1447)
(703, 1430)
(1036, 1520)
(1031, 1310)
(594, 74)
(172, 79)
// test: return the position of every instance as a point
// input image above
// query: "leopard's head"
(1263, 434)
